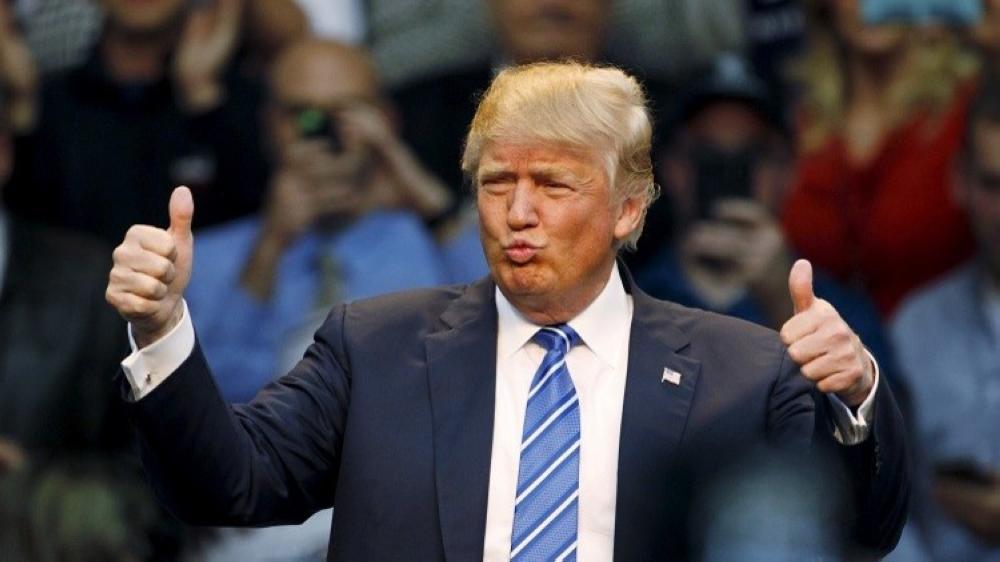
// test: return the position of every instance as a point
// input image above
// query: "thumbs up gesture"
(152, 267)
(828, 352)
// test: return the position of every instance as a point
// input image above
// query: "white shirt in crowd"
(342, 20)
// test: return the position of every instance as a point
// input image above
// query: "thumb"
(800, 285)
(181, 213)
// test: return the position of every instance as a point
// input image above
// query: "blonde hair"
(937, 67)
(578, 105)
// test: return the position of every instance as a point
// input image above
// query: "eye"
(495, 185)
(555, 187)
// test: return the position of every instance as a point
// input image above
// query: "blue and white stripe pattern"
(548, 481)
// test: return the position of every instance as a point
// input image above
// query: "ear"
(629, 215)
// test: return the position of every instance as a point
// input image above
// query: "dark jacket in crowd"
(106, 155)
(60, 344)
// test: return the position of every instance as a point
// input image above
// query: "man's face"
(143, 16)
(535, 30)
(548, 224)
(980, 192)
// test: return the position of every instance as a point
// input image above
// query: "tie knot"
(558, 336)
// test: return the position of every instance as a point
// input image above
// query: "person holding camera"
(340, 222)
(726, 168)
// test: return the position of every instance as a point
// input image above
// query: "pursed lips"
(521, 251)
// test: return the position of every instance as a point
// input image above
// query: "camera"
(318, 124)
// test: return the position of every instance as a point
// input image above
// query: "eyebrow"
(493, 172)
(561, 173)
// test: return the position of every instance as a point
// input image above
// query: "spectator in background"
(328, 232)
(60, 33)
(948, 342)
(159, 102)
(436, 112)
(881, 121)
(56, 396)
(727, 168)
(58, 406)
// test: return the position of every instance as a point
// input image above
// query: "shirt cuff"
(146, 368)
(852, 428)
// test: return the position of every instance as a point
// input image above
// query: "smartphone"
(721, 174)
(318, 124)
(922, 12)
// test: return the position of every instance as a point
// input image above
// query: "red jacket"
(890, 223)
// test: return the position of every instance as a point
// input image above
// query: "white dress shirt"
(598, 367)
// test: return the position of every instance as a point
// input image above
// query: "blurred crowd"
(321, 140)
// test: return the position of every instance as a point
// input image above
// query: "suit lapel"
(461, 370)
(654, 416)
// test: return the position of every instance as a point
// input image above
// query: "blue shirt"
(245, 339)
(949, 357)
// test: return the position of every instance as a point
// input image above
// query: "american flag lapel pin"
(671, 376)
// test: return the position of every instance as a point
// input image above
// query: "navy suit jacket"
(389, 418)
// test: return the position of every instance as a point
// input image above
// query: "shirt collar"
(603, 325)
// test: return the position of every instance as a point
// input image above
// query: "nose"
(521, 211)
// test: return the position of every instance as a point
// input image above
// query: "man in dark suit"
(609, 411)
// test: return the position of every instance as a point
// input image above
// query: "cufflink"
(671, 376)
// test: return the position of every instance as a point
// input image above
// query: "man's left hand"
(828, 352)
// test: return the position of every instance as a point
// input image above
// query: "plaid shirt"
(60, 33)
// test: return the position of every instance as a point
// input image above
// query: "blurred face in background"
(986, 34)
(860, 37)
(325, 79)
(979, 192)
(536, 30)
(143, 17)
(727, 141)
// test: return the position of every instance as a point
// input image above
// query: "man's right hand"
(152, 267)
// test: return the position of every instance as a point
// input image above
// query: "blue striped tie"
(548, 481)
